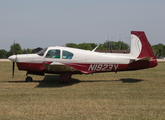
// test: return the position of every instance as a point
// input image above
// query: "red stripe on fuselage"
(97, 67)
(101, 67)
(30, 66)
(92, 67)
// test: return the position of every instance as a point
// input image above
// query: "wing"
(58, 67)
(66, 67)
(82, 67)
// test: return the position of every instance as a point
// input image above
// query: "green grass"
(123, 95)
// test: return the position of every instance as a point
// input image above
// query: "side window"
(66, 55)
(55, 53)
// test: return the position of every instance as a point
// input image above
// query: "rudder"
(140, 47)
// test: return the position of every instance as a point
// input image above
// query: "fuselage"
(82, 61)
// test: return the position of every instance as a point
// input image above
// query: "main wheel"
(29, 79)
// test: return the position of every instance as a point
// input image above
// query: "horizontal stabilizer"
(145, 58)
(141, 59)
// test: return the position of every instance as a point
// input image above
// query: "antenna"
(119, 42)
(111, 45)
(108, 42)
(107, 37)
(14, 47)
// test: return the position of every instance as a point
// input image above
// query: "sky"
(44, 23)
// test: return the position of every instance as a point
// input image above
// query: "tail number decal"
(103, 67)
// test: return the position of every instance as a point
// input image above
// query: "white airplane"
(67, 61)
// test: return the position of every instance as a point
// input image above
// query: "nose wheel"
(29, 79)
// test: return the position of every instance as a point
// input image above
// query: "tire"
(29, 79)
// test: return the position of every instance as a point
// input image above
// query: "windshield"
(41, 53)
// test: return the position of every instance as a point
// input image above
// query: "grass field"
(125, 95)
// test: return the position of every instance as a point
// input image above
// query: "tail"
(141, 49)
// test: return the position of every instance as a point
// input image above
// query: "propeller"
(13, 62)
(13, 69)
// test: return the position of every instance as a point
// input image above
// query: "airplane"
(67, 61)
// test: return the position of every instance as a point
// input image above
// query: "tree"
(18, 49)
(120, 45)
(27, 51)
(72, 45)
(102, 46)
(159, 50)
(93, 45)
(123, 46)
(33, 51)
(85, 46)
(3, 54)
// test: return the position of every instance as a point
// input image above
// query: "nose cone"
(12, 58)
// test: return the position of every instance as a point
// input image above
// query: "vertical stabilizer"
(140, 47)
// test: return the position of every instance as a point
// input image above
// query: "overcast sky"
(43, 23)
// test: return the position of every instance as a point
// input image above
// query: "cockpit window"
(41, 52)
(54, 53)
(66, 55)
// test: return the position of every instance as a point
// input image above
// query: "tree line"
(120, 45)
(86, 46)
(18, 50)
(159, 49)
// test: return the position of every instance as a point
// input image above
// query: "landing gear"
(29, 79)
(65, 77)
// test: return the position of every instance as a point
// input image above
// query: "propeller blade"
(13, 62)
(13, 69)
(14, 48)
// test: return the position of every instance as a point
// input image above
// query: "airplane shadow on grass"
(54, 81)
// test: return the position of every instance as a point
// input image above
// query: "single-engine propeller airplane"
(67, 61)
